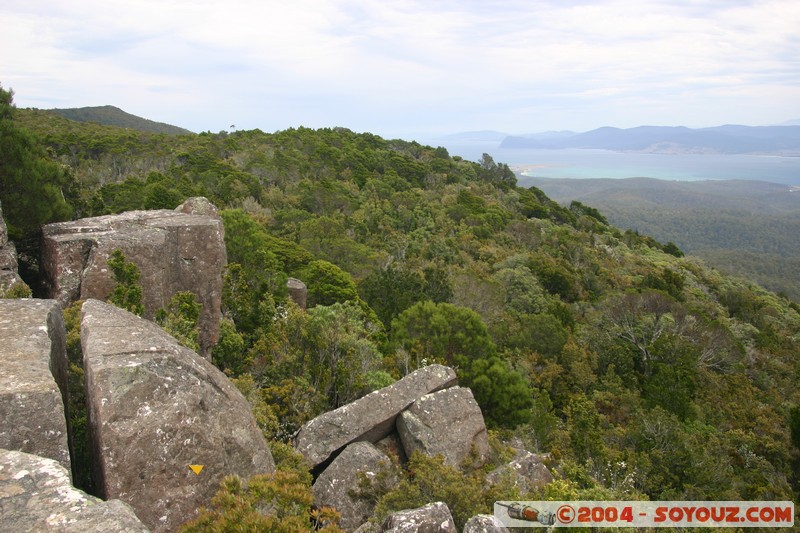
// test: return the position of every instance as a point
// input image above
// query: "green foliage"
(643, 373)
(391, 291)
(264, 413)
(328, 284)
(180, 319)
(442, 332)
(279, 502)
(77, 407)
(430, 480)
(230, 353)
(503, 394)
(33, 188)
(16, 291)
(321, 358)
(127, 293)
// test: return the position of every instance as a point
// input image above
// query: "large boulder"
(298, 292)
(447, 423)
(432, 518)
(36, 495)
(155, 408)
(369, 418)
(333, 487)
(33, 381)
(181, 250)
(8, 259)
(526, 471)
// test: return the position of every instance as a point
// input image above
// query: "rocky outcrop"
(155, 408)
(298, 292)
(36, 495)
(369, 418)
(181, 250)
(527, 471)
(433, 518)
(448, 423)
(8, 259)
(484, 523)
(33, 381)
(334, 486)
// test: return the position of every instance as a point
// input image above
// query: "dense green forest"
(645, 374)
(746, 228)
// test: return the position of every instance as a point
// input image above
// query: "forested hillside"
(643, 373)
(113, 116)
(747, 228)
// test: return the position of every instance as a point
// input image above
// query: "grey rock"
(391, 445)
(333, 487)
(369, 418)
(33, 381)
(367, 527)
(447, 423)
(155, 408)
(174, 250)
(298, 292)
(9, 275)
(432, 518)
(36, 495)
(484, 523)
(3, 228)
(527, 471)
(198, 206)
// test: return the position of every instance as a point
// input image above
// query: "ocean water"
(582, 163)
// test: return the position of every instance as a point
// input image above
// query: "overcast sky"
(411, 69)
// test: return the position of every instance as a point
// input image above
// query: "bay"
(586, 163)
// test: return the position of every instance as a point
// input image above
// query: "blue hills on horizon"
(727, 139)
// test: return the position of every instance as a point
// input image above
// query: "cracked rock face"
(181, 250)
(448, 423)
(332, 487)
(36, 494)
(155, 408)
(8, 258)
(34, 373)
(369, 418)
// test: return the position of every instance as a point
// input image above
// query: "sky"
(406, 68)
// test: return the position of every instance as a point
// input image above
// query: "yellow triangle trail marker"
(196, 469)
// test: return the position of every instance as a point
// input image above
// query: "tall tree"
(33, 188)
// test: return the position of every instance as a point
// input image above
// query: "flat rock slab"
(181, 250)
(155, 408)
(447, 423)
(433, 518)
(34, 373)
(369, 418)
(36, 495)
(332, 488)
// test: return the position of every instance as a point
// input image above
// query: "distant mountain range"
(108, 115)
(728, 139)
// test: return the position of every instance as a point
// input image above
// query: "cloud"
(395, 67)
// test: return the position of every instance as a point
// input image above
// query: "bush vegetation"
(643, 373)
